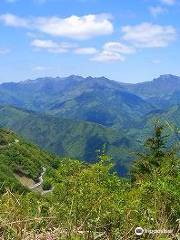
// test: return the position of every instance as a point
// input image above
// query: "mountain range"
(75, 116)
(96, 100)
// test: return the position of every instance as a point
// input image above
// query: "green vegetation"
(75, 199)
(65, 137)
(75, 116)
(91, 201)
(97, 100)
(21, 158)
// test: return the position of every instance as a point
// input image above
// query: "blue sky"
(127, 41)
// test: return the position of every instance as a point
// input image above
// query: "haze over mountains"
(75, 116)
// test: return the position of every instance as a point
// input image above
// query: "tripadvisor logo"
(139, 231)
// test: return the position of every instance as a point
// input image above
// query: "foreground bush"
(92, 202)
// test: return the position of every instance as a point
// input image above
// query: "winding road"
(40, 180)
(40, 183)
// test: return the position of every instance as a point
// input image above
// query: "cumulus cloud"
(113, 51)
(144, 35)
(14, 21)
(83, 27)
(148, 35)
(44, 43)
(86, 51)
(118, 48)
(52, 46)
(76, 27)
(157, 10)
(107, 56)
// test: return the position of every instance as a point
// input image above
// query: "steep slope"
(76, 139)
(98, 100)
(21, 158)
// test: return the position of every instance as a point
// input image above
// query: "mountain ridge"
(97, 100)
(76, 116)
(167, 76)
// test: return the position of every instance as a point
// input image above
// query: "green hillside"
(90, 201)
(80, 139)
(76, 116)
(75, 139)
(21, 158)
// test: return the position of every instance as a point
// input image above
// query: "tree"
(153, 201)
(156, 150)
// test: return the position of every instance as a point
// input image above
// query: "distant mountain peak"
(168, 77)
(163, 86)
(74, 77)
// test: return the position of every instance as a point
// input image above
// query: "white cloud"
(44, 43)
(168, 2)
(75, 27)
(157, 10)
(113, 51)
(118, 48)
(148, 35)
(106, 56)
(85, 51)
(52, 46)
(14, 21)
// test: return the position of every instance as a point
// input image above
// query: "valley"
(87, 154)
(75, 116)
(89, 120)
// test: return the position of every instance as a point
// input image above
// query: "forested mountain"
(104, 125)
(76, 116)
(162, 87)
(162, 92)
(96, 100)
(73, 138)
(61, 95)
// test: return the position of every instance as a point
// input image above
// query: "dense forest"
(90, 201)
